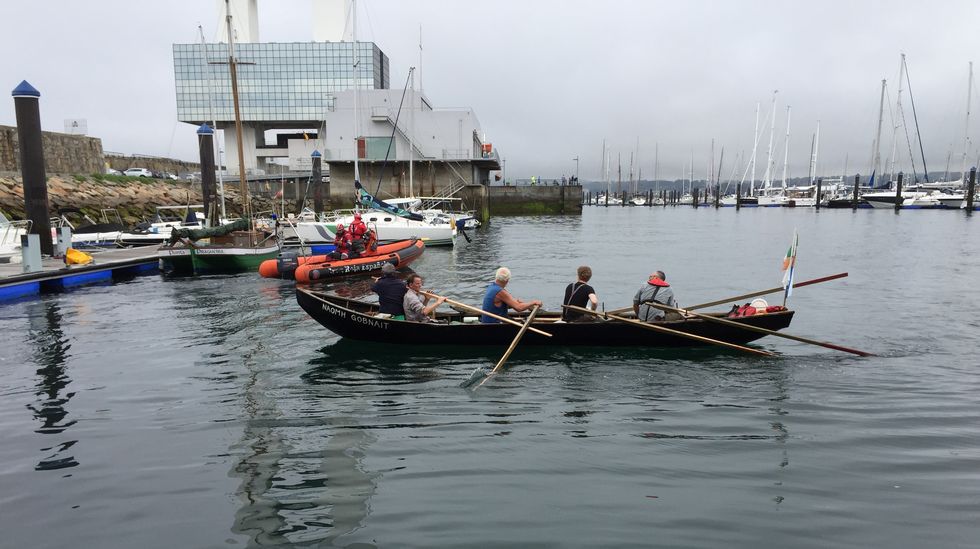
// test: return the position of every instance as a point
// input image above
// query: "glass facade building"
(277, 82)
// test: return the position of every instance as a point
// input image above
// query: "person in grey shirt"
(414, 302)
(656, 289)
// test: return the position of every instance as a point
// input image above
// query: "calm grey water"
(213, 412)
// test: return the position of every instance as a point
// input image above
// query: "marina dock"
(106, 266)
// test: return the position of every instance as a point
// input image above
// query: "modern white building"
(298, 97)
(405, 146)
(284, 88)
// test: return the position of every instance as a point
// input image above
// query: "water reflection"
(51, 348)
(303, 480)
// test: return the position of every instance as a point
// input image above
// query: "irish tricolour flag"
(789, 265)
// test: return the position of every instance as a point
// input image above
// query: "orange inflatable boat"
(322, 267)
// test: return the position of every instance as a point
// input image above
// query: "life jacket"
(358, 228)
(342, 240)
(654, 281)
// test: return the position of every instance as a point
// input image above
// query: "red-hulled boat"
(314, 268)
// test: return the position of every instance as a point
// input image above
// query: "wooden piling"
(819, 192)
(857, 196)
(898, 192)
(738, 197)
(971, 187)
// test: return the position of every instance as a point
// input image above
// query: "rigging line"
(394, 129)
(915, 119)
(901, 112)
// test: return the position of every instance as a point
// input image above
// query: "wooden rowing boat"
(354, 319)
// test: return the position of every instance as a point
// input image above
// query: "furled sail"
(369, 201)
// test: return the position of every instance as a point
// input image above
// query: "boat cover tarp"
(368, 200)
(198, 234)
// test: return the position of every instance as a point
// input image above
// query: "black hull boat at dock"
(357, 320)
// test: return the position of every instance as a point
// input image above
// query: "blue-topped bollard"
(26, 100)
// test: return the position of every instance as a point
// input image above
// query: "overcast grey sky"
(550, 79)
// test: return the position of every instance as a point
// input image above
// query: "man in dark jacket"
(391, 291)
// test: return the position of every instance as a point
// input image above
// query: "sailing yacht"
(10, 233)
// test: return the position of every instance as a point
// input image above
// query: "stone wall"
(79, 154)
(63, 153)
(153, 163)
(134, 200)
(536, 200)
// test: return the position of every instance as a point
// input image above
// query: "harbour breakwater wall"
(535, 200)
(80, 154)
(134, 198)
(63, 153)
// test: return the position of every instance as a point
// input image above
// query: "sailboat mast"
(915, 118)
(810, 171)
(876, 146)
(966, 127)
(619, 174)
(767, 180)
(238, 115)
(656, 166)
(899, 118)
(711, 165)
(630, 185)
(411, 138)
(605, 168)
(755, 148)
(356, 61)
(816, 149)
(214, 123)
(786, 146)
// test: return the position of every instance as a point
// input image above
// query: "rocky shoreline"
(134, 198)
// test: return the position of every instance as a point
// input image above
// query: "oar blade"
(476, 376)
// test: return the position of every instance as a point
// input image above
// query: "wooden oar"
(727, 322)
(746, 296)
(513, 344)
(491, 315)
(777, 289)
(663, 329)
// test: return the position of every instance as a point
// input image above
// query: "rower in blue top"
(497, 300)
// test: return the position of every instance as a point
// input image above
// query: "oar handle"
(478, 310)
(765, 292)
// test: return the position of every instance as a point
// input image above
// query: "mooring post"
(857, 184)
(971, 187)
(819, 192)
(898, 192)
(28, 113)
(717, 195)
(205, 145)
(738, 197)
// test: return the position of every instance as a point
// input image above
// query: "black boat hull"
(356, 320)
